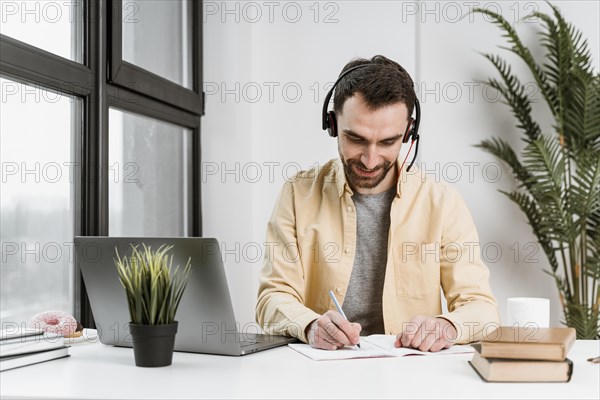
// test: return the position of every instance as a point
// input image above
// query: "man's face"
(369, 142)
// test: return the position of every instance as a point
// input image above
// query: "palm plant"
(153, 294)
(557, 173)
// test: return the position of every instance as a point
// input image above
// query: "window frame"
(122, 73)
(91, 81)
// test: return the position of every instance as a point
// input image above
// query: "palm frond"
(501, 149)
(538, 223)
(544, 161)
(583, 319)
(585, 190)
(593, 248)
(569, 69)
(515, 95)
(523, 52)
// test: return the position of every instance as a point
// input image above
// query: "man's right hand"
(331, 331)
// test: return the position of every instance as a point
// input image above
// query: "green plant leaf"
(515, 95)
(153, 293)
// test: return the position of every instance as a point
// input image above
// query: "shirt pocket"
(416, 269)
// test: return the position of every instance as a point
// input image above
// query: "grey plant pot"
(153, 344)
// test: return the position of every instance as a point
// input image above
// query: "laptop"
(206, 322)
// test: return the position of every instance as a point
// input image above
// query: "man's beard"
(365, 182)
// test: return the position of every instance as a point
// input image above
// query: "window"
(53, 26)
(96, 137)
(149, 177)
(37, 201)
(144, 34)
(158, 31)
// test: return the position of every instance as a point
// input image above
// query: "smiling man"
(387, 242)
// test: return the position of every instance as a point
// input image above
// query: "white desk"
(98, 371)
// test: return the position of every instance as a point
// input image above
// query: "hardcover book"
(532, 343)
(507, 370)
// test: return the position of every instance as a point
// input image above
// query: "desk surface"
(98, 371)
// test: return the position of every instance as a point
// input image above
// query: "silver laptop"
(205, 314)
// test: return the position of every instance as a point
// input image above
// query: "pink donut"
(54, 321)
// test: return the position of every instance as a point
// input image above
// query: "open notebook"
(370, 347)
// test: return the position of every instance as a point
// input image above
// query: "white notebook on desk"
(370, 347)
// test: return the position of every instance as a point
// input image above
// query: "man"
(384, 240)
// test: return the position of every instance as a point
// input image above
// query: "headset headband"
(330, 93)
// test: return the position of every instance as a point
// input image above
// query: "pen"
(339, 308)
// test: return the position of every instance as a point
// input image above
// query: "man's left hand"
(427, 334)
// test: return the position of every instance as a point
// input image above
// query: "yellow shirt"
(432, 246)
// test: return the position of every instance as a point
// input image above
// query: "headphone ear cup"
(410, 131)
(332, 124)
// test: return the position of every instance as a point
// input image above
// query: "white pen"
(339, 308)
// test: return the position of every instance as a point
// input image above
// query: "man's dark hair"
(381, 84)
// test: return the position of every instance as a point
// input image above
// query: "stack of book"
(531, 354)
(20, 347)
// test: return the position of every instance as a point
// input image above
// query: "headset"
(329, 120)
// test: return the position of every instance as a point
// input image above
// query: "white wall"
(267, 66)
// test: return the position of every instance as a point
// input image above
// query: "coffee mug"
(528, 312)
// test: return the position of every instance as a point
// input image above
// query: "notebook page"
(373, 346)
(366, 350)
(386, 342)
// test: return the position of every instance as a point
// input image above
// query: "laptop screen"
(205, 314)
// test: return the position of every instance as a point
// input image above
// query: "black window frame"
(93, 82)
(123, 73)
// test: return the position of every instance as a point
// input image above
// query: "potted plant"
(557, 173)
(153, 295)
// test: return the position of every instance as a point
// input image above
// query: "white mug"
(528, 312)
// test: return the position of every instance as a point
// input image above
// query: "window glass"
(38, 134)
(54, 26)
(149, 176)
(157, 36)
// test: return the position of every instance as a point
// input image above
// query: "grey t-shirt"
(363, 299)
